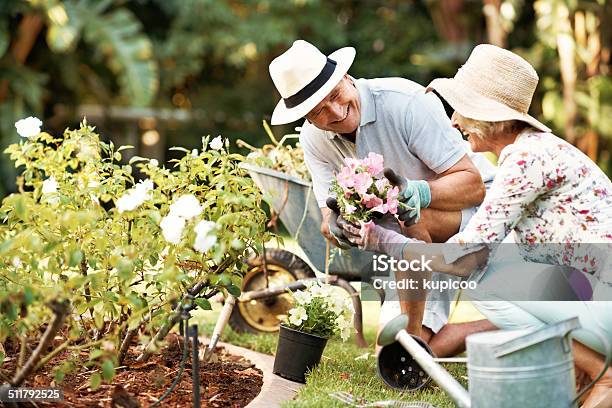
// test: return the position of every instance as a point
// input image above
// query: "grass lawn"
(344, 366)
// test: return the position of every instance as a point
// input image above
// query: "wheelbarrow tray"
(294, 202)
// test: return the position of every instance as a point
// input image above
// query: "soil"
(226, 381)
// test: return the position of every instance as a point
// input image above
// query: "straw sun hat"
(493, 85)
(304, 76)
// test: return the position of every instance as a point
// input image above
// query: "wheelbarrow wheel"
(264, 315)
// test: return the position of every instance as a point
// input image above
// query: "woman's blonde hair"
(483, 129)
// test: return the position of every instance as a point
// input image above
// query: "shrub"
(121, 255)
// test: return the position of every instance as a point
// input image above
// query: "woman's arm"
(376, 238)
(463, 266)
(519, 181)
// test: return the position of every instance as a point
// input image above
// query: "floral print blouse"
(548, 192)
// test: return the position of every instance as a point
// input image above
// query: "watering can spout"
(395, 331)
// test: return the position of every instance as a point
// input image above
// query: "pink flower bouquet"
(361, 193)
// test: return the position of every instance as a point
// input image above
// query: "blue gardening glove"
(335, 224)
(416, 194)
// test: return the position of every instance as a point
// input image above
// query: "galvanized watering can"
(506, 368)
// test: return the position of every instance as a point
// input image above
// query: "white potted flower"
(319, 313)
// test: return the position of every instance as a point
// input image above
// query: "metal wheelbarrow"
(265, 299)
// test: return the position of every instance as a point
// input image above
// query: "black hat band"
(313, 86)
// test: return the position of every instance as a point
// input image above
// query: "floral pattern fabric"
(547, 192)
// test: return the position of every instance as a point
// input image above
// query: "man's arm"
(431, 137)
(326, 213)
(321, 173)
(458, 187)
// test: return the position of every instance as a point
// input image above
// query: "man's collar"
(366, 105)
(366, 102)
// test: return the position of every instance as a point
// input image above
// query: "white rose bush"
(89, 255)
(322, 311)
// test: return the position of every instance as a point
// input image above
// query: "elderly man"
(393, 117)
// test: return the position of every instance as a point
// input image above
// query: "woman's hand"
(381, 236)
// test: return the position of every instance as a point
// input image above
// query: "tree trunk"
(27, 32)
(495, 30)
(446, 15)
(567, 54)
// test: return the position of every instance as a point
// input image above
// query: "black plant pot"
(296, 353)
(398, 369)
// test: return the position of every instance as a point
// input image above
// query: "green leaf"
(204, 304)
(20, 207)
(119, 36)
(5, 36)
(65, 22)
(99, 320)
(76, 257)
(59, 375)
(1, 357)
(125, 268)
(95, 380)
(28, 295)
(95, 353)
(234, 290)
(108, 370)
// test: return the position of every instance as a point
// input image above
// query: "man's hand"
(335, 222)
(415, 194)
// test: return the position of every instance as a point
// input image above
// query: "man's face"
(339, 111)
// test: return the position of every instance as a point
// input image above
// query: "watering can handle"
(559, 329)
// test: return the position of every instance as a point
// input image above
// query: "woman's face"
(476, 143)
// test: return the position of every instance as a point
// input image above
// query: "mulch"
(226, 381)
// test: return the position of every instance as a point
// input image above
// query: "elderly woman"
(545, 192)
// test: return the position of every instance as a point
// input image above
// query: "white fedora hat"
(304, 76)
(493, 85)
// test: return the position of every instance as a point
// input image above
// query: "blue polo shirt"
(407, 126)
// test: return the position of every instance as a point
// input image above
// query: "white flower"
(348, 306)
(16, 262)
(49, 186)
(194, 153)
(172, 228)
(154, 162)
(127, 202)
(28, 127)
(297, 315)
(186, 206)
(205, 236)
(302, 297)
(345, 334)
(342, 322)
(134, 197)
(321, 290)
(93, 184)
(337, 305)
(217, 143)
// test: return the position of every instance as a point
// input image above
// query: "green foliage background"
(210, 58)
